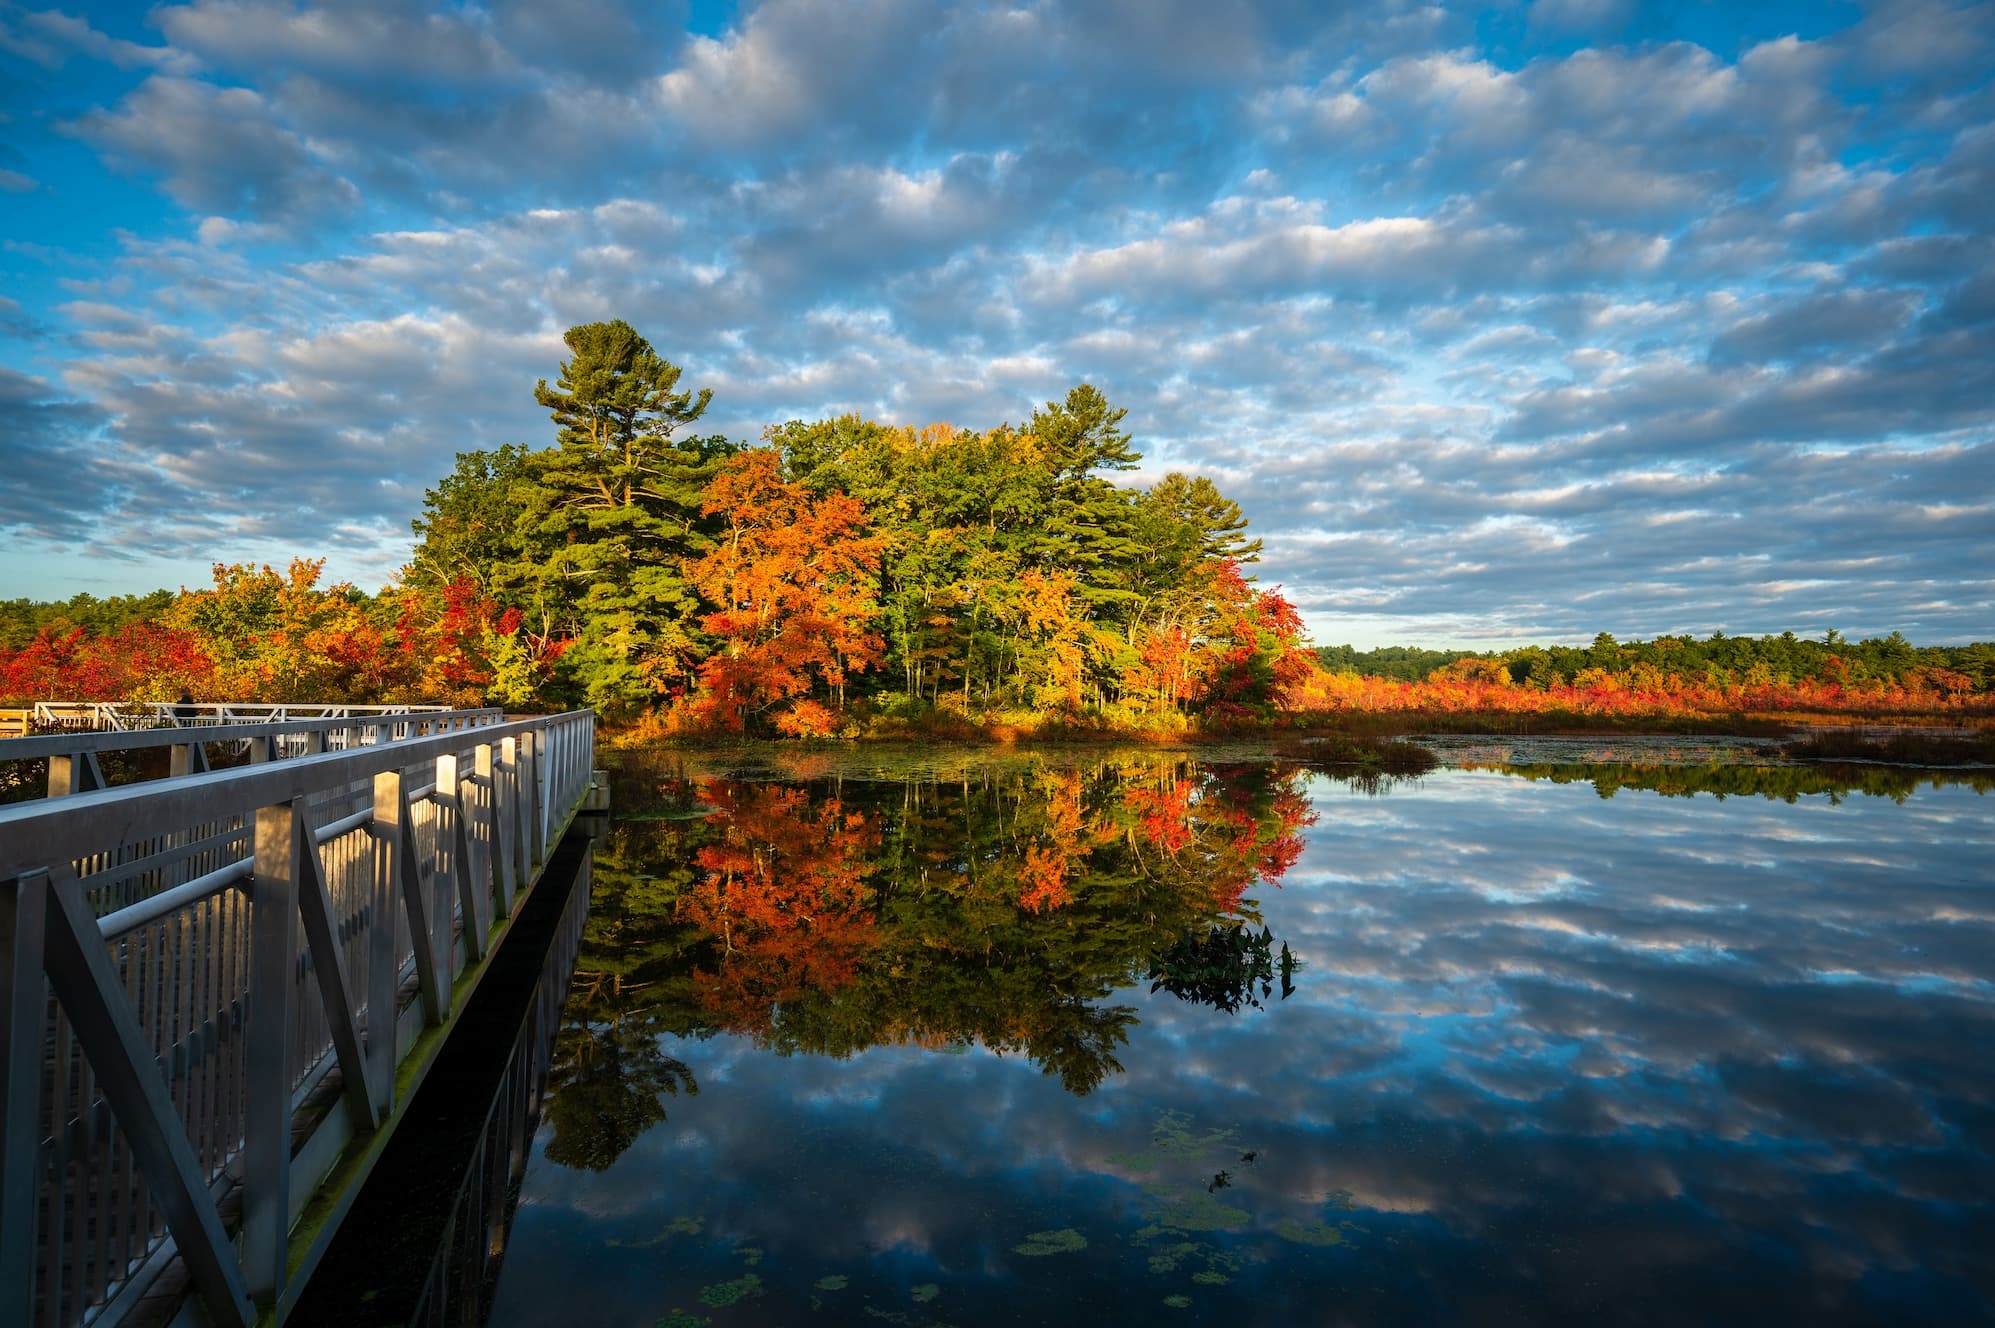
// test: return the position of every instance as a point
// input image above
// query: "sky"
(1519, 322)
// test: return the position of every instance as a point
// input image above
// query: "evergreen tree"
(1089, 527)
(612, 512)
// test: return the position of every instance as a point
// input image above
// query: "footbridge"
(219, 988)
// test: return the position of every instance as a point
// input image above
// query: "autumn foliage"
(259, 634)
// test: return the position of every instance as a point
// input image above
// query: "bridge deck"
(217, 990)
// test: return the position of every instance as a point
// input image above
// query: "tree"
(1088, 525)
(612, 512)
(470, 525)
(790, 582)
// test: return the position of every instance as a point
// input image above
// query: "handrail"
(120, 716)
(34, 835)
(191, 969)
(119, 740)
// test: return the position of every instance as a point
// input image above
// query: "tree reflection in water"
(1002, 908)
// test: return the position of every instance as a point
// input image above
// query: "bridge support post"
(78, 773)
(484, 767)
(386, 830)
(273, 960)
(23, 1003)
(188, 758)
(533, 804)
(512, 819)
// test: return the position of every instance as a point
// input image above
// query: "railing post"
(515, 819)
(497, 892)
(273, 965)
(23, 902)
(534, 802)
(188, 758)
(382, 971)
(78, 773)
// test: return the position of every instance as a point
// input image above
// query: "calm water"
(1146, 1041)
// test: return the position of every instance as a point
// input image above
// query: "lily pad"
(1064, 1241)
(1316, 1233)
(722, 1294)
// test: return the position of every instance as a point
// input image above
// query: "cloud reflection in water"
(1652, 1059)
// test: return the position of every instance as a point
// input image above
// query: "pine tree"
(614, 510)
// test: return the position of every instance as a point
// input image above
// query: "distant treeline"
(22, 620)
(1720, 660)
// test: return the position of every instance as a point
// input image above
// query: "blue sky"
(1509, 322)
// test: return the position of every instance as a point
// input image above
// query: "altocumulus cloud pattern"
(1531, 320)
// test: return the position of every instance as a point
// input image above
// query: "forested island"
(848, 578)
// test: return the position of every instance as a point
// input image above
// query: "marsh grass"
(1912, 749)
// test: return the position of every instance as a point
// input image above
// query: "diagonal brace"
(84, 981)
(329, 962)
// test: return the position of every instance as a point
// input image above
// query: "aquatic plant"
(1064, 1241)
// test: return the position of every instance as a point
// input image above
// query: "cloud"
(50, 37)
(53, 484)
(218, 149)
(1502, 339)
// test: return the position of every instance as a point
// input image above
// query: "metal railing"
(73, 754)
(210, 986)
(118, 716)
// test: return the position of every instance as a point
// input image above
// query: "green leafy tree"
(469, 528)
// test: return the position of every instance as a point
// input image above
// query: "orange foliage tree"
(792, 579)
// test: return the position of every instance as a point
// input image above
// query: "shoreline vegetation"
(849, 580)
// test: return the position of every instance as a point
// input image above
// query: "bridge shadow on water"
(423, 1242)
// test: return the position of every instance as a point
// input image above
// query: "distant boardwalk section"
(217, 988)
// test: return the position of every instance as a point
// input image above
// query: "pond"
(1148, 1038)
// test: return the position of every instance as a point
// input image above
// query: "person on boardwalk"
(184, 709)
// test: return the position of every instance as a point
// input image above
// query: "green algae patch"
(722, 1294)
(1064, 1241)
(680, 1319)
(835, 1282)
(1178, 1302)
(1199, 1211)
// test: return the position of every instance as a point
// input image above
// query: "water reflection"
(1002, 910)
(1044, 1042)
